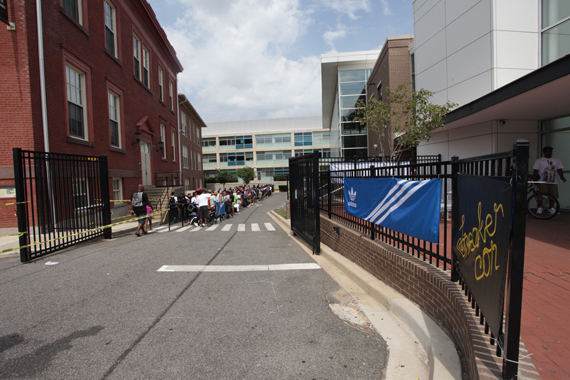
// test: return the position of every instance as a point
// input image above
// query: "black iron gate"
(304, 198)
(63, 200)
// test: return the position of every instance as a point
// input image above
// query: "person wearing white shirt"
(203, 200)
(545, 169)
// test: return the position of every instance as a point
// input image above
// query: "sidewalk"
(546, 296)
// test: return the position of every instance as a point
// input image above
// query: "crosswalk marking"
(237, 268)
(241, 227)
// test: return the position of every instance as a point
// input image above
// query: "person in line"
(183, 206)
(545, 169)
(173, 207)
(203, 202)
(148, 218)
(139, 201)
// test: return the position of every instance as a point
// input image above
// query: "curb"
(442, 357)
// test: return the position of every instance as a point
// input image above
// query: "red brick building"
(110, 84)
(392, 69)
(191, 125)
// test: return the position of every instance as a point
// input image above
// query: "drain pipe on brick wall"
(42, 73)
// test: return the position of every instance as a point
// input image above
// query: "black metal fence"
(418, 168)
(510, 167)
(167, 179)
(63, 200)
(304, 198)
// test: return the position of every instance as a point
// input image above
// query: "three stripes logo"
(352, 197)
(395, 198)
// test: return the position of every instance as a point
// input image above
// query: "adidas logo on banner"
(352, 196)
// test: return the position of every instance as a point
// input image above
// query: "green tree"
(246, 174)
(403, 118)
(224, 177)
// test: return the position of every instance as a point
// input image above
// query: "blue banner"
(410, 207)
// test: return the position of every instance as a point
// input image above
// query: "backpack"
(172, 202)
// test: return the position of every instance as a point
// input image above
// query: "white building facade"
(264, 145)
(482, 54)
(344, 79)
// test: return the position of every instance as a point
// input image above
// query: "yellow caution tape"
(15, 203)
(16, 235)
(134, 218)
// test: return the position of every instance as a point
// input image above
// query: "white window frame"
(137, 63)
(173, 138)
(185, 157)
(76, 95)
(146, 67)
(115, 115)
(160, 84)
(111, 25)
(184, 123)
(171, 93)
(79, 4)
(117, 189)
(163, 139)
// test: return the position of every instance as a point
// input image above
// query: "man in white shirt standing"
(203, 199)
(545, 169)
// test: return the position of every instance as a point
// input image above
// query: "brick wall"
(427, 286)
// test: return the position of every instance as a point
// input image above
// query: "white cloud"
(331, 35)
(350, 7)
(234, 58)
(386, 7)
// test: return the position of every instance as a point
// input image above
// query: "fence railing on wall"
(418, 169)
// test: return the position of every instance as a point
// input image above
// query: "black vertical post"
(21, 205)
(329, 190)
(454, 213)
(105, 196)
(316, 194)
(516, 262)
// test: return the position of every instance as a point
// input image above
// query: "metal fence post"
(454, 214)
(21, 205)
(330, 195)
(105, 196)
(516, 262)
(316, 203)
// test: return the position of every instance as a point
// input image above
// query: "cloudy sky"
(260, 59)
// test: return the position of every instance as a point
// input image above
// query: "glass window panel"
(352, 128)
(354, 141)
(348, 114)
(350, 153)
(554, 11)
(556, 124)
(351, 75)
(556, 42)
(351, 100)
(354, 88)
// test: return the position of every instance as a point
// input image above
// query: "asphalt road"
(105, 310)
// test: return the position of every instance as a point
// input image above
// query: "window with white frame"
(76, 108)
(183, 122)
(110, 28)
(163, 139)
(173, 138)
(117, 189)
(74, 8)
(137, 56)
(187, 184)
(199, 162)
(160, 84)
(115, 119)
(185, 156)
(146, 66)
(171, 93)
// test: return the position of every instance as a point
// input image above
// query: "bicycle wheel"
(550, 206)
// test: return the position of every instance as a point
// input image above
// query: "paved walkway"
(546, 296)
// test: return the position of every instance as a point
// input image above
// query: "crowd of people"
(204, 206)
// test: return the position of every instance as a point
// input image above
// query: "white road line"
(237, 268)
(269, 227)
(227, 227)
(212, 228)
(241, 227)
(255, 227)
(184, 228)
